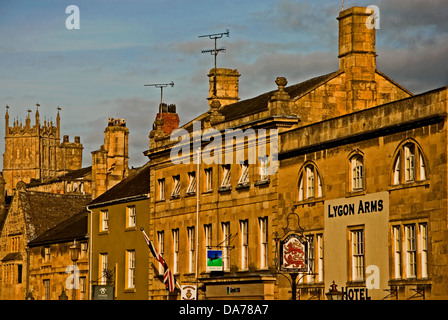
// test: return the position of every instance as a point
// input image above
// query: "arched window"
(409, 164)
(357, 172)
(310, 183)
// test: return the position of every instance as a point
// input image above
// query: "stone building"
(360, 166)
(35, 152)
(119, 254)
(29, 215)
(54, 271)
(76, 181)
(41, 219)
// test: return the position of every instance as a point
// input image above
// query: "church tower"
(35, 153)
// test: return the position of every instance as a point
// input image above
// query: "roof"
(71, 175)
(43, 210)
(76, 174)
(260, 103)
(74, 227)
(12, 256)
(133, 186)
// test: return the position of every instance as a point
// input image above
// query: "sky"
(99, 70)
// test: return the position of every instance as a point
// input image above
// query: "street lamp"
(334, 294)
(74, 253)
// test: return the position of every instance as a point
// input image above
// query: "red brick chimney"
(170, 118)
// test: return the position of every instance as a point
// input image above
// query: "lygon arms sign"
(358, 207)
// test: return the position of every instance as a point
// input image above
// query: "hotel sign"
(355, 207)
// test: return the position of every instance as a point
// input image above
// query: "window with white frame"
(396, 230)
(424, 249)
(411, 251)
(311, 257)
(191, 249)
(357, 172)
(225, 175)
(409, 155)
(244, 228)
(310, 183)
(413, 242)
(320, 258)
(244, 178)
(191, 183)
(161, 183)
(409, 164)
(130, 269)
(264, 168)
(161, 248)
(263, 242)
(226, 245)
(104, 222)
(422, 168)
(357, 254)
(176, 186)
(396, 174)
(130, 212)
(175, 251)
(208, 235)
(208, 179)
(103, 268)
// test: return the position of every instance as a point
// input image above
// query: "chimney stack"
(170, 118)
(357, 57)
(223, 85)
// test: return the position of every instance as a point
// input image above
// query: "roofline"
(120, 200)
(33, 244)
(395, 83)
(331, 75)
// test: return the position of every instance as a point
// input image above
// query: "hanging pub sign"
(293, 253)
(214, 260)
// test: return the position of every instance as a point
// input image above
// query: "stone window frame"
(309, 172)
(356, 164)
(409, 164)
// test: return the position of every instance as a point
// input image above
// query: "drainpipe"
(90, 252)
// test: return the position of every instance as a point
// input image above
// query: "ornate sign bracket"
(292, 247)
(291, 250)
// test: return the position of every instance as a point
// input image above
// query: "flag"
(168, 278)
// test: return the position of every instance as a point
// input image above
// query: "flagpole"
(150, 244)
(197, 212)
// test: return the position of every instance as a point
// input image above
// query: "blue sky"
(99, 71)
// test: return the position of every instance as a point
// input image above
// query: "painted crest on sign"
(293, 254)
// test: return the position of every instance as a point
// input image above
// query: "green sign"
(103, 292)
(214, 260)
